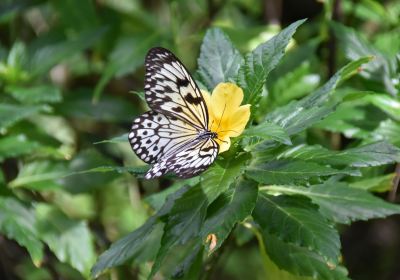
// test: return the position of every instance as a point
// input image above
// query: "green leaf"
(36, 94)
(232, 207)
(78, 19)
(388, 130)
(254, 71)
(16, 145)
(297, 116)
(296, 221)
(78, 104)
(127, 56)
(341, 203)
(379, 69)
(126, 248)
(117, 139)
(369, 155)
(346, 119)
(382, 183)
(11, 114)
(157, 200)
(17, 222)
(70, 240)
(295, 84)
(131, 245)
(267, 130)
(138, 170)
(40, 175)
(220, 176)
(46, 56)
(219, 60)
(386, 103)
(77, 181)
(301, 261)
(292, 172)
(140, 94)
(183, 223)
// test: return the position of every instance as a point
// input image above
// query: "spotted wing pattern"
(169, 89)
(174, 136)
(188, 161)
(155, 136)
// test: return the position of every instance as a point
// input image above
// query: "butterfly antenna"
(220, 120)
(229, 130)
(222, 140)
(211, 124)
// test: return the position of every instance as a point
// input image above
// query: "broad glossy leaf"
(70, 240)
(35, 94)
(183, 223)
(388, 130)
(219, 60)
(17, 222)
(117, 139)
(369, 155)
(11, 113)
(273, 270)
(77, 19)
(254, 71)
(382, 183)
(78, 104)
(341, 203)
(292, 171)
(128, 55)
(16, 145)
(297, 116)
(346, 119)
(381, 68)
(301, 261)
(232, 207)
(140, 170)
(40, 175)
(220, 176)
(101, 169)
(297, 221)
(157, 200)
(45, 55)
(131, 245)
(386, 103)
(267, 130)
(295, 84)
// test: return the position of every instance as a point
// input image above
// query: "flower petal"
(224, 144)
(238, 120)
(225, 99)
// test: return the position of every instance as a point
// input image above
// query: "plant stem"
(395, 185)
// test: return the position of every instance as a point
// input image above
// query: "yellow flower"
(227, 118)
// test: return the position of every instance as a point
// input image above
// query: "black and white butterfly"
(174, 136)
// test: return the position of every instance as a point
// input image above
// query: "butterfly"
(174, 136)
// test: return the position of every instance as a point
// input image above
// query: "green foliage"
(71, 241)
(17, 222)
(321, 149)
(257, 64)
(219, 60)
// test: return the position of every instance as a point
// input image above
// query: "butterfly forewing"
(170, 90)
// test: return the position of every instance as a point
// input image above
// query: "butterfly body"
(174, 136)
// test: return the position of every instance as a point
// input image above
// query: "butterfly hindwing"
(170, 90)
(196, 157)
(155, 136)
